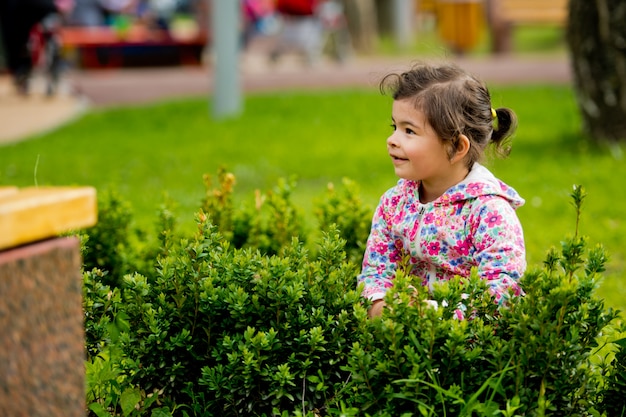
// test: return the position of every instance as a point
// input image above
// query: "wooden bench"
(533, 12)
(505, 15)
(97, 47)
(502, 16)
(514, 11)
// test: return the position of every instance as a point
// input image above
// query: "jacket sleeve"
(381, 255)
(499, 243)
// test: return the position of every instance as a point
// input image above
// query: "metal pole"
(225, 25)
(403, 15)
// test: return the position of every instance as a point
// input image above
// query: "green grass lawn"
(322, 137)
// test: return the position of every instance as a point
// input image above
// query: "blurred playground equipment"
(129, 39)
(130, 46)
(131, 33)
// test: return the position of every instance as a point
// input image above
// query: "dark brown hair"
(454, 102)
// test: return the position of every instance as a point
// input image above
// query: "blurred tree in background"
(362, 23)
(596, 37)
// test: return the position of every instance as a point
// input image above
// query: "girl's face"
(417, 152)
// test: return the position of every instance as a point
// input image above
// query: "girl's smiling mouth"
(395, 158)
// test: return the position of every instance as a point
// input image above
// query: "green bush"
(346, 210)
(612, 362)
(532, 357)
(108, 244)
(268, 224)
(223, 325)
(117, 247)
(225, 331)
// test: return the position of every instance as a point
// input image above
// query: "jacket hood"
(480, 182)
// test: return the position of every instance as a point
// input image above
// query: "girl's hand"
(376, 309)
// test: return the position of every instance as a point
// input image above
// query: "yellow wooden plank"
(32, 214)
(558, 17)
(535, 11)
(6, 191)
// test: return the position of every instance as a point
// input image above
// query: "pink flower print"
(497, 297)
(456, 208)
(474, 188)
(493, 219)
(493, 274)
(445, 198)
(433, 248)
(457, 196)
(429, 218)
(395, 256)
(517, 290)
(379, 247)
(462, 247)
(412, 232)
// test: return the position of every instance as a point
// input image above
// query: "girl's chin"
(402, 173)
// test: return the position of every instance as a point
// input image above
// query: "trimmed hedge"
(247, 318)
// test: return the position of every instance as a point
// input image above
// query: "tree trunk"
(596, 35)
(501, 30)
(362, 18)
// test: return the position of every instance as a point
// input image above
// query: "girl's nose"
(391, 141)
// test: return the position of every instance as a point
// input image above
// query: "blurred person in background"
(17, 20)
(259, 18)
(335, 33)
(301, 29)
(111, 9)
(86, 13)
(158, 12)
(308, 25)
(92, 13)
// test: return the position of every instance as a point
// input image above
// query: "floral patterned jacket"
(473, 224)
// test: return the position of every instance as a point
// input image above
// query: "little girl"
(447, 212)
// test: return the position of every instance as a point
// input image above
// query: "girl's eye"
(393, 126)
(409, 131)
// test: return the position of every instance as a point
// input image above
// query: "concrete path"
(113, 88)
(22, 117)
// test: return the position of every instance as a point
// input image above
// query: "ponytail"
(504, 125)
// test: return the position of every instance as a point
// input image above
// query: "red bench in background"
(104, 47)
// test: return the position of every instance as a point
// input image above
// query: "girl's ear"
(462, 148)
